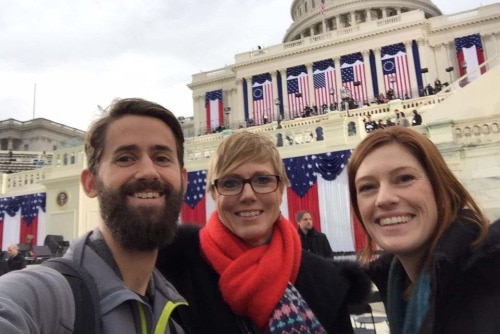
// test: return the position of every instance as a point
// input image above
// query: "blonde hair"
(240, 148)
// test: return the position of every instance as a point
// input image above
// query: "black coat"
(16, 262)
(316, 243)
(326, 286)
(465, 283)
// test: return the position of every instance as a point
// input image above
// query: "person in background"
(245, 270)
(312, 241)
(445, 273)
(16, 260)
(399, 120)
(380, 124)
(136, 170)
(416, 119)
(404, 120)
(437, 85)
(369, 124)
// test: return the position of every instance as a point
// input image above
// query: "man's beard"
(142, 228)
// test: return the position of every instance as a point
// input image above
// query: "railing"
(333, 36)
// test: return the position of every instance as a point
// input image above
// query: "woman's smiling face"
(396, 201)
(249, 215)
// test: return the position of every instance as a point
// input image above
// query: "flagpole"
(34, 100)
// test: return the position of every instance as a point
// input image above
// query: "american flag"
(196, 204)
(262, 92)
(21, 216)
(352, 68)
(322, 7)
(470, 55)
(298, 90)
(214, 110)
(395, 69)
(324, 81)
(196, 188)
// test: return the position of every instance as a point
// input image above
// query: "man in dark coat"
(16, 260)
(312, 241)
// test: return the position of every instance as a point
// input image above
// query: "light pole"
(332, 99)
(345, 94)
(227, 111)
(277, 103)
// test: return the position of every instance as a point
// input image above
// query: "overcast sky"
(80, 54)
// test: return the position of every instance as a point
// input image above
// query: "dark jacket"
(416, 120)
(316, 243)
(327, 287)
(16, 262)
(465, 283)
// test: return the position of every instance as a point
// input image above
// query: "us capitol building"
(339, 63)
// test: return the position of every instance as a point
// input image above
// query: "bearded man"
(136, 171)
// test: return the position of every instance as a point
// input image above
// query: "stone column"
(380, 72)
(250, 98)
(312, 100)
(284, 93)
(411, 67)
(229, 118)
(450, 61)
(238, 105)
(442, 61)
(368, 76)
(338, 80)
(426, 61)
(200, 115)
(274, 81)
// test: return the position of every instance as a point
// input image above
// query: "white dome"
(308, 15)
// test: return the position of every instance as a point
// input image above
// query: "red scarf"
(252, 279)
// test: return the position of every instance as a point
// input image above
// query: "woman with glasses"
(245, 271)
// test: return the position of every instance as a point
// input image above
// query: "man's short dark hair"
(300, 214)
(94, 141)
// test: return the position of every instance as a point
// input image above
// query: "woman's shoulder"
(487, 254)
(185, 245)
(348, 275)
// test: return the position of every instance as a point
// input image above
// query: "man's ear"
(88, 183)
(184, 178)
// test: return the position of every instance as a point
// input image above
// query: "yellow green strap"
(161, 326)
(142, 314)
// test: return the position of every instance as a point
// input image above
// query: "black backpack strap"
(87, 310)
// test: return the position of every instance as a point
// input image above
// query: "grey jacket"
(40, 300)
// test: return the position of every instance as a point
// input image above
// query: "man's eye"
(124, 159)
(163, 159)
(230, 183)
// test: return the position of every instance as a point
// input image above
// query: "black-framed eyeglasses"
(233, 185)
